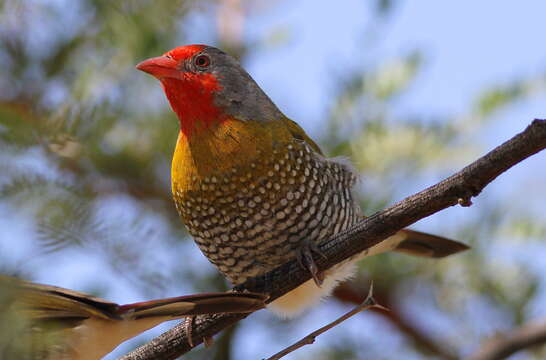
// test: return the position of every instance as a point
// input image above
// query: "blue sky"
(467, 45)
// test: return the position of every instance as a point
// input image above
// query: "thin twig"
(368, 303)
(458, 188)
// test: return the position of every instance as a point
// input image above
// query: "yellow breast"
(216, 150)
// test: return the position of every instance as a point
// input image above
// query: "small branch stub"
(465, 202)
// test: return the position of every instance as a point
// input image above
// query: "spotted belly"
(255, 218)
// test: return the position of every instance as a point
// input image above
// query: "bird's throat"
(192, 99)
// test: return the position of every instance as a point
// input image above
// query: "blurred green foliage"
(21, 338)
(86, 142)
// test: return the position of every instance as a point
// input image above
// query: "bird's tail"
(207, 303)
(406, 241)
(79, 326)
(422, 244)
(44, 302)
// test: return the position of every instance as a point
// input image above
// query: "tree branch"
(504, 345)
(457, 189)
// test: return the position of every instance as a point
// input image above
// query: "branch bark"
(457, 189)
(504, 345)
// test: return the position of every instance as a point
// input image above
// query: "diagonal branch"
(504, 345)
(457, 189)
(353, 293)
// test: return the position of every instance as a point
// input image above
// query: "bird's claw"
(305, 259)
(188, 328)
(208, 341)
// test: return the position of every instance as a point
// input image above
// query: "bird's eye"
(202, 61)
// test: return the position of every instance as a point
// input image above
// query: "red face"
(189, 86)
(171, 64)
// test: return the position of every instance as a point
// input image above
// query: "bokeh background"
(409, 91)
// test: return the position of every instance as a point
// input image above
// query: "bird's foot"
(305, 259)
(188, 328)
(208, 341)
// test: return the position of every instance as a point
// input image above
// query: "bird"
(52, 323)
(252, 188)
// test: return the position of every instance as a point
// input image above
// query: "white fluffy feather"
(309, 294)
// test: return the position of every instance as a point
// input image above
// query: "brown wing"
(298, 133)
(415, 243)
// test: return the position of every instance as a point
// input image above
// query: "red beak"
(160, 67)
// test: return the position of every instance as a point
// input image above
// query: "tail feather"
(44, 302)
(422, 244)
(208, 303)
(69, 324)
